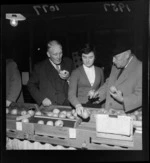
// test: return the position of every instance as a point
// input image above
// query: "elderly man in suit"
(123, 88)
(13, 83)
(48, 83)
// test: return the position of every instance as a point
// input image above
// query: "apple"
(25, 120)
(31, 112)
(139, 118)
(75, 114)
(14, 111)
(91, 93)
(23, 112)
(113, 89)
(55, 115)
(68, 114)
(64, 112)
(64, 72)
(50, 114)
(40, 122)
(133, 117)
(61, 115)
(73, 111)
(59, 123)
(85, 114)
(71, 117)
(136, 113)
(50, 123)
(56, 111)
(38, 113)
(7, 110)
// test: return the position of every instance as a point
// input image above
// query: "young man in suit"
(123, 88)
(48, 84)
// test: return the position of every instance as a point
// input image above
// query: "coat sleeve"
(73, 85)
(134, 100)
(102, 77)
(33, 85)
(103, 90)
(15, 84)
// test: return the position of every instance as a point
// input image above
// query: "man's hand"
(64, 74)
(116, 94)
(46, 102)
(79, 109)
(8, 103)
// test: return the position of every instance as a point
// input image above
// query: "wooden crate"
(13, 124)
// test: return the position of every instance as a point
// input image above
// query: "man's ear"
(48, 54)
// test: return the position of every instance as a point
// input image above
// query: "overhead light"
(14, 18)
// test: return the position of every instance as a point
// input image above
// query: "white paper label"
(72, 133)
(19, 126)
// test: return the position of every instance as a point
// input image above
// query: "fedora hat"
(121, 46)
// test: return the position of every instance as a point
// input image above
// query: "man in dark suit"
(13, 83)
(48, 82)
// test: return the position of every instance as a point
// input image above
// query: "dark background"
(73, 25)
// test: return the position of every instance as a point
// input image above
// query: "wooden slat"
(53, 140)
(51, 131)
(122, 143)
(11, 124)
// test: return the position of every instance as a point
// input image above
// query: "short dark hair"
(87, 48)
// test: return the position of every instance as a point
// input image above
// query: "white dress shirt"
(90, 72)
(57, 67)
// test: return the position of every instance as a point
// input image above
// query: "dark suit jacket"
(129, 82)
(45, 82)
(13, 82)
(79, 85)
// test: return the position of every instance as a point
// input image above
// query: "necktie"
(120, 72)
(57, 68)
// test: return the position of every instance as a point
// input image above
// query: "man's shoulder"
(11, 63)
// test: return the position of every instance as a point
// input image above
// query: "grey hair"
(53, 43)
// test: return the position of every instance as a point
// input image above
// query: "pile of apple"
(59, 123)
(62, 114)
(111, 111)
(136, 115)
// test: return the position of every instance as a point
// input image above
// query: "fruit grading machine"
(61, 126)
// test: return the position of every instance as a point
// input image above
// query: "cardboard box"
(112, 124)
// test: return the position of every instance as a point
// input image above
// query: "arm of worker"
(33, 86)
(15, 84)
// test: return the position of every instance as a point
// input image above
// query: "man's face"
(121, 59)
(88, 59)
(55, 54)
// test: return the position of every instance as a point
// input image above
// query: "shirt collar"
(128, 62)
(88, 68)
(53, 63)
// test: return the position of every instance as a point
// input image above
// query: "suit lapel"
(127, 70)
(97, 76)
(50, 72)
(84, 75)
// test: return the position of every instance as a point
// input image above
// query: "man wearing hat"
(123, 88)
